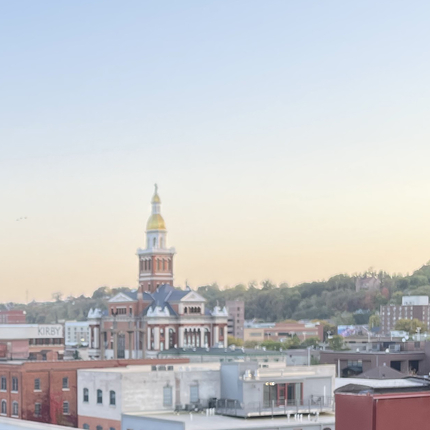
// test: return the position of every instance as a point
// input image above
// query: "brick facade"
(52, 390)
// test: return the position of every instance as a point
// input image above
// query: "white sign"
(50, 331)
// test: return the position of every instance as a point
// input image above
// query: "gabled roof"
(124, 297)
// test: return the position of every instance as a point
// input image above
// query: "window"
(65, 408)
(99, 397)
(37, 384)
(86, 395)
(111, 428)
(99, 428)
(86, 426)
(194, 393)
(112, 400)
(15, 384)
(167, 396)
(3, 407)
(3, 383)
(15, 409)
(65, 383)
(37, 409)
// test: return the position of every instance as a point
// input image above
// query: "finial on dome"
(156, 197)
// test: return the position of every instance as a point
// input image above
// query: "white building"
(77, 333)
(105, 394)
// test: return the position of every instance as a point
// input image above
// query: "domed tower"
(156, 260)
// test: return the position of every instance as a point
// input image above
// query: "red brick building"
(384, 405)
(12, 317)
(47, 391)
(157, 316)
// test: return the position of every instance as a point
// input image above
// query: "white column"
(166, 337)
(216, 335)
(180, 337)
(96, 338)
(156, 338)
(202, 336)
(148, 338)
(225, 337)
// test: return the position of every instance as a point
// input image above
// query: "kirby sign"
(50, 331)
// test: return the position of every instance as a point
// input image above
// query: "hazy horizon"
(289, 140)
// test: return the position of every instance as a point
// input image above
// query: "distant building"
(351, 363)
(395, 404)
(31, 341)
(236, 318)
(12, 317)
(367, 283)
(77, 333)
(412, 307)
(157, 316)
(282, 332)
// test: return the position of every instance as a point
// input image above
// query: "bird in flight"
(22, 218)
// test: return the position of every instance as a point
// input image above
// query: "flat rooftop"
(220, 422)
(147, 368)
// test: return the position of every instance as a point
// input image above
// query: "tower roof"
(155, 222)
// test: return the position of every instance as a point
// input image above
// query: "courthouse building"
(157, 316)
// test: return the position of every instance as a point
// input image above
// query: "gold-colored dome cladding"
(156, 198)
(156, 222)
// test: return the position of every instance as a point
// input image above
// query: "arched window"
(161, 242)
(99, 428)
(149, 264)
(3, 407)
(99, 397)
(153, 242)
(112, 399)
(86, 426)
(170, 264)
(141, 265)
(185, 310)
(164, 265)
(86, 396)
(15, 409)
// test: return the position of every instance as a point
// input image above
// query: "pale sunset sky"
(290, 139)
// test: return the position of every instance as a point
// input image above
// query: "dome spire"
(156, 221)
(155, 197)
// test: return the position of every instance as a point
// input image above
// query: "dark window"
(37, 409)
(37, 384)
(65, 408)
(3, 407)
(167, 396)
(86, 395)
(15, 409)
(194, 393)
(99, 428)
(65, 382)
(3, 383)
(112, 400)
(86, 426)
(14, 383)
(99, 397)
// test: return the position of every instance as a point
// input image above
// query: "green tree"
(336, 343)
(234, 341)
(374, 321)
(411, 326)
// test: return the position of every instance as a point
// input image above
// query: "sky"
(290, 140)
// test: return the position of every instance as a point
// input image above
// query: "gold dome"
(155, 222)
